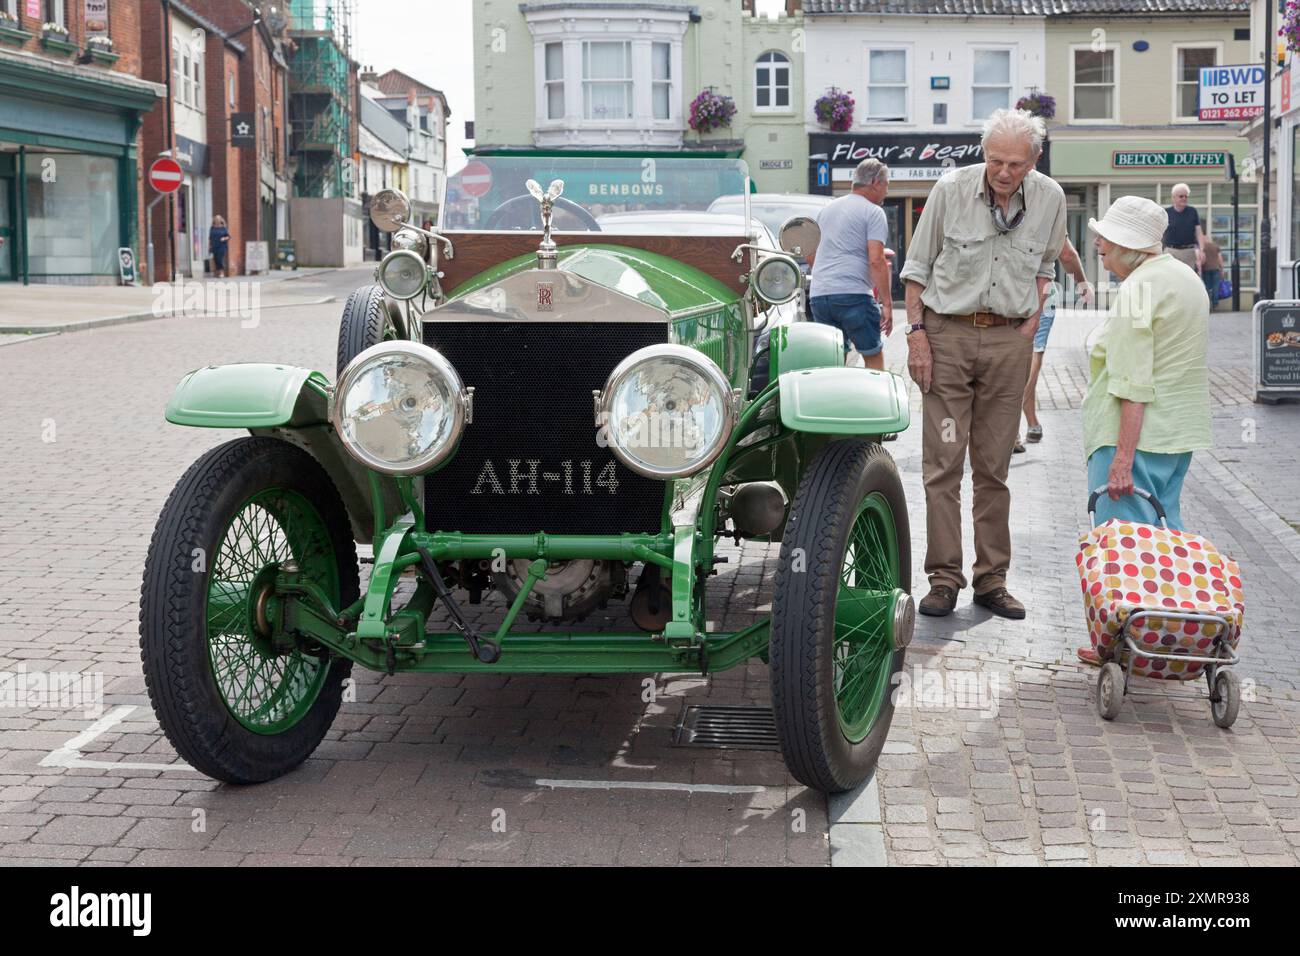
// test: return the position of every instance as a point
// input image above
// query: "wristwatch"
(918, 327)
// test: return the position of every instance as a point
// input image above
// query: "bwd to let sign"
(1231, 92)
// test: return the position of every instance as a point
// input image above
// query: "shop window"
(772, 81)
(607, 80)
(887, 86)
(1295, 192)
(661, 80)
(554, 53)
(1187, 77)
(73, 224)
(1094, 77)
(991, 87)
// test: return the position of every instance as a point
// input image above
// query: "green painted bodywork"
(656, 280)
(844, 401)
(251, 395)
(804, 345)
(810, 400)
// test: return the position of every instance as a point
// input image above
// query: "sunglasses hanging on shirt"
(1000, 222)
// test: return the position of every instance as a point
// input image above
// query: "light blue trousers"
(1162, 475)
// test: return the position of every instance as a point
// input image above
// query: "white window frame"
(1112, 48)
(628, 81)
(1012, 84)
(767, 59)
(1217, 46)
(641, 26)
(909, 87)
(548, 83)
(656, 83)
(11, 8)
(60, 15)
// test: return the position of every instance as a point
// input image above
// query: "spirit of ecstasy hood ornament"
(546, 251)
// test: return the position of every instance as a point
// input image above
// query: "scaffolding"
(321, 121)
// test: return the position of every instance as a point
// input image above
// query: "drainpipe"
(168, 132)
(22, 213)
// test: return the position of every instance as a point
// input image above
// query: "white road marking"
(645, 785)
(69, 755)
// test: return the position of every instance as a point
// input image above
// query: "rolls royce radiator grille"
(530, 462)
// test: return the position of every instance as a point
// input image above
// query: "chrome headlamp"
(400, 408)
(403, 274)
(666, 411)
(776, 279)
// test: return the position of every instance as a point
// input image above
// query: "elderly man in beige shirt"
(978, 267)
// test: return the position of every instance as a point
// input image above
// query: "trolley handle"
(1142, 493)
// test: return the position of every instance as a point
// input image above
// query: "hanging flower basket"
(834, 108)
(710, 111)
(1290, 29)
(1038, 103)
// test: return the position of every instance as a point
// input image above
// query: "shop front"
(915, 161)
(68, 169)
(1097, 169)
(1288, 188)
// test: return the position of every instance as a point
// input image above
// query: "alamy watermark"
(52, 690)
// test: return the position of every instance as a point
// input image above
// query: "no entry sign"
(476, 179)
(165, 175)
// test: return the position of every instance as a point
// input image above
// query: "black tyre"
(366, 321)
(841, 615)
(238, 702)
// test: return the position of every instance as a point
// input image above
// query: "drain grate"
(726, 727)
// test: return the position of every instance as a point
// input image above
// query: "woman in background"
(218, 245)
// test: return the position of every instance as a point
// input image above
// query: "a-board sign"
(1277, 349)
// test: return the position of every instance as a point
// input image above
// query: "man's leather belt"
(985, 320)
(1192, 246)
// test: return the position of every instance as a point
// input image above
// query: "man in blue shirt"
(850, 259)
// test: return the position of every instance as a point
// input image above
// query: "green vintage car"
(524, 404)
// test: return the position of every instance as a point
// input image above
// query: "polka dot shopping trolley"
(1163, 604)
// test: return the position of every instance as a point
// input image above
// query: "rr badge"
(545, 296)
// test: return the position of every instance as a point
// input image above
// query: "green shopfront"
(1094, 171)
(68, 169)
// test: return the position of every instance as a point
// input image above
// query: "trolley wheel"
(1110, 690)
(1225, 700)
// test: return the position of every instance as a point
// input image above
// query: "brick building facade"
(71, 108)
(226, 74)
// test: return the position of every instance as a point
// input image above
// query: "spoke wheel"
(864, 647)
(268, 684)
(840, 615)
(240, 699)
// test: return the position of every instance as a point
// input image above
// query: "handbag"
(1225, 288)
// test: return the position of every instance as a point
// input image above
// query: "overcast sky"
(433, 41)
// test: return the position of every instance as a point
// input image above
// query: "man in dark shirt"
(1184, 239)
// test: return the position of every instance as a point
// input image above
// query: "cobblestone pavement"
(442, 769)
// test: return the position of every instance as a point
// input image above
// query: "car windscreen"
(491, 192)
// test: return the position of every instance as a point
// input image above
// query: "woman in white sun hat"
(1148, 402)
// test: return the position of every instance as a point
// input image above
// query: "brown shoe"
(939, 602)
(1001, 603)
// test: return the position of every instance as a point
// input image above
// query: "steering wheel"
(501, 216)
